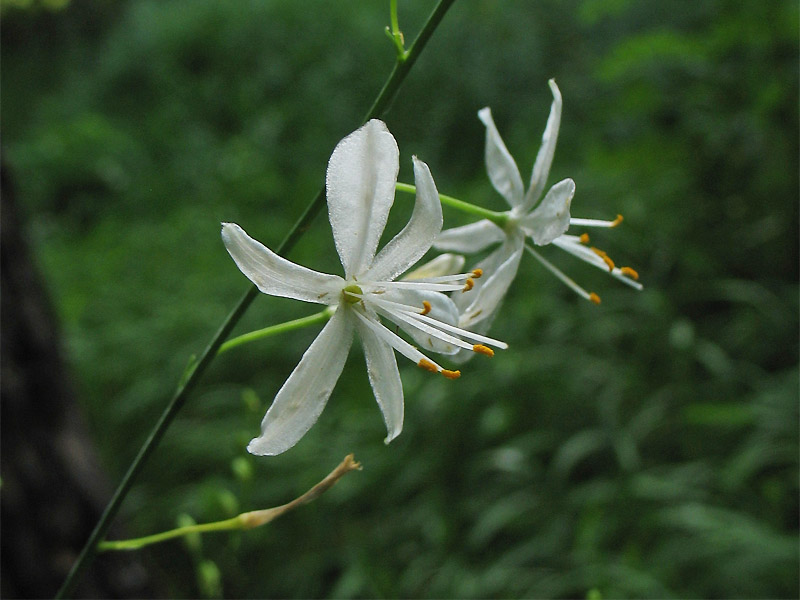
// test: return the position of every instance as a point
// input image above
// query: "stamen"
(564, 279)
(476, 273)
(594, 298)
(617, 221)
(427, 365)
(481, 349)
(630, 273)
(426, 307)
(605, 257)
(469, 284)
(584, 239)
(451, 374)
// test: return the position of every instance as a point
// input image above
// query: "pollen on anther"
(476, 273)
(617, 221)
(468, 285)
(630, 273)
(481, 349)
(427, 365)
(584, 239)
(594, 298)
(451, 374)
(426, 307)
(605, 257)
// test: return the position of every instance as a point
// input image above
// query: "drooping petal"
(384, 378)
(493, 289)
(469, 238)
(444, 264)
(301, 399)
(408, 246)
(500, 165)
(541, 168)
(362, 172)
(276, 276)
(550, 219)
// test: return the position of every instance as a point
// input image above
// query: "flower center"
(352, 294)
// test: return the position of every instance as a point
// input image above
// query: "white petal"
(416, 238)
(492, 291)
(469, 238)
(502, 169)
(541, 168)
(551, 218)
(360, 183)
(444, 264)
(385, 379)
(301, 399)
(276, 276)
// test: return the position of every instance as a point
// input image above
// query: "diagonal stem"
(177, 401)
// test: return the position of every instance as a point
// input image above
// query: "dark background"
(647, 447)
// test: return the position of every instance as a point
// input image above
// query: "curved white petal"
(469, 238)
(492, 291)
(276, 276)
(541, 168)
(384, 378)
(408, 246)
(502, 169)
(444, 264)
(301, 399)
(362, 172)
(551, 218)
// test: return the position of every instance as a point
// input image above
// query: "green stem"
(396, 78)
(137, 543)
(396, 35)
(498, 218)
(319, 317)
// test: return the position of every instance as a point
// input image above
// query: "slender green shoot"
(498, 218)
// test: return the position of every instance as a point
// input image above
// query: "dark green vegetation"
(644, 448)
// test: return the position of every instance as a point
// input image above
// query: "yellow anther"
(481, 349)
(594, 298)
(584, 239)
(470, 283)
(630, 273)
(605, 257)
(424, 363)
(476, 273)
(617, 221)
(426, 307)
(451, 374)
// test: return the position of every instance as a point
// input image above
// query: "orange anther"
(630, 273)
(451, 374)
(470, 283)
(594, 298)
(584, 239)
(617, 221)
(481, 349)
(476, 273)
(605, 257)
(426, 307)
(424, 363)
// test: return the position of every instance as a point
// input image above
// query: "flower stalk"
(243, 521)
(498, 218)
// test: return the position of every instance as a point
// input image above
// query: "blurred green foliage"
(644, 448)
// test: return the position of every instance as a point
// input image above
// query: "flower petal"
(493, 288)
(551, 218)
(444, 264)
(276, 276)
(384, 378)
(362, 172)
(408, 246)
(301, 399)
(541, 168)
(502, 169)
(469, 238)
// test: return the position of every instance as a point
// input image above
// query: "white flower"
(360, 182)
(545, 223)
